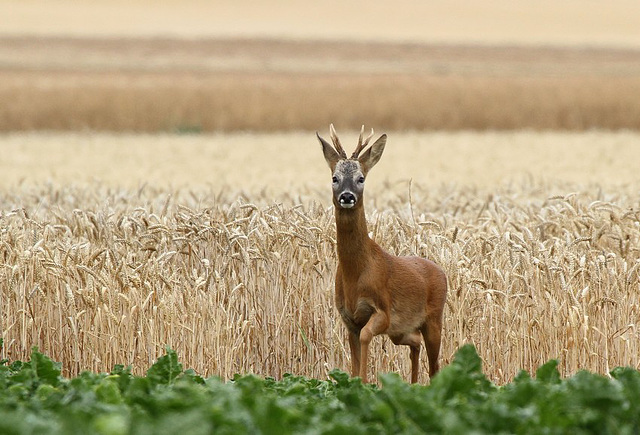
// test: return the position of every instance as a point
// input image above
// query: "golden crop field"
(203, 85)
(99, 267)
(161, 184)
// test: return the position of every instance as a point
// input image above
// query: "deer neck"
(353, 240)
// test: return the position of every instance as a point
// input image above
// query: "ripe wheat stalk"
(246, 285)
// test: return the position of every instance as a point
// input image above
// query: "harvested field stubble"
(96, 276)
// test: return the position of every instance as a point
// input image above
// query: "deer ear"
(372, 155)
(330, 154)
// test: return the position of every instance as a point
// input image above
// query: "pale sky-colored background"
(547, 22)
(293, 162)
(282, 161)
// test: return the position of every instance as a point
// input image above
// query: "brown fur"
(378, 293)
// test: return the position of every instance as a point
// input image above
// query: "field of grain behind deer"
(106, 260)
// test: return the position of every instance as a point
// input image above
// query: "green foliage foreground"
(35, 399)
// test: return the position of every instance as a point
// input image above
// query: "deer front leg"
(377, 324)
(415, 363)
(354, 345)
(413, 341)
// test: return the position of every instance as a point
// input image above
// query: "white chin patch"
(347, 204)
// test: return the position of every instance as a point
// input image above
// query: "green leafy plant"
(34, 398)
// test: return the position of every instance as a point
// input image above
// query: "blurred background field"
(291, 163)
(213, 66)
(153, 85)
(570, 22)
(161, 182)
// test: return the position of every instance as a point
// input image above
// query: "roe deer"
(376, 292)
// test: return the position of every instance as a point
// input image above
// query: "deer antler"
(361, 144)
(336, 142)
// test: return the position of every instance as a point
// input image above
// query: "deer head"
(349, 174)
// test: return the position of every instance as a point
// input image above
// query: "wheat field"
(99, 272)
(210, 85)
(222, 245)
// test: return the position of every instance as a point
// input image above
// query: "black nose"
(347, 198)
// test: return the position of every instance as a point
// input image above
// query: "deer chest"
(356, 317)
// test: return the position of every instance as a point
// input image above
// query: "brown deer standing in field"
(376, 292)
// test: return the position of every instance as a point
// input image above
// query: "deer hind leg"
(431, 331)
(376, 325)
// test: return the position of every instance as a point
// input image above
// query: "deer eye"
(361, 180)
(334, 180)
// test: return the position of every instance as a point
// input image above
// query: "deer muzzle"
(347, 200)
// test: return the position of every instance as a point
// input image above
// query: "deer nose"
(347, 200)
